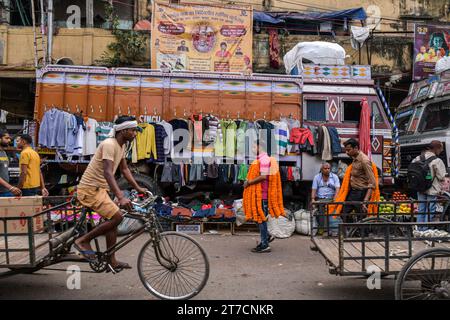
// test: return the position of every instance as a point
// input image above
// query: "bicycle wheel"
(426, 276)
(175, 267)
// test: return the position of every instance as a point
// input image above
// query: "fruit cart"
(419, 261)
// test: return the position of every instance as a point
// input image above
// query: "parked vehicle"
(331, 96)
(423, 116)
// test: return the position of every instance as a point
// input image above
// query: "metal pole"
(33, 13)
(50, 30)
(44, 47)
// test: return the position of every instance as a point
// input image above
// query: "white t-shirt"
(90, 138)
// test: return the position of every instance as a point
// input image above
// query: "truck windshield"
(402, 120)
(436, 116)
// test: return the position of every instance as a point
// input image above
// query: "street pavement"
(290, 271)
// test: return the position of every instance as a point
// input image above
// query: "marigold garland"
(345, 188)
(253, 194)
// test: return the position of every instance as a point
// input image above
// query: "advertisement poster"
(431, 43)
(202, 38)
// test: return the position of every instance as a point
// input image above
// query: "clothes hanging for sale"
(326, 153)
(103, 130)
(243, 170)
(210, 126)
(213, 171)
(335, 141)
(167, 173)
(90, 137)
(160, 135)
(281, 136)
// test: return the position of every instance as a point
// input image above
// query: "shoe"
(271, 238)
(261, 249)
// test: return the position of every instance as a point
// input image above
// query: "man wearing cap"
(98, 180)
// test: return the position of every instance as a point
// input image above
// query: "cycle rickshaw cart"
(171, 265)
(393, 244)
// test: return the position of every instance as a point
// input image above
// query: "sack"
(303, 222)
(419, 176)
(281, 227)
(128, 225)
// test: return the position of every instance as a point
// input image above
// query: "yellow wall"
(83, 46)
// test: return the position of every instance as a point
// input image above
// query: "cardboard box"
(21, 208)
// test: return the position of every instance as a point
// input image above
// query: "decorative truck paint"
(102, 93)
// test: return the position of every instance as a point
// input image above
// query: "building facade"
(81, 36)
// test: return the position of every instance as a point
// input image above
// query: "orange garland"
(253, 194)
(345, 188)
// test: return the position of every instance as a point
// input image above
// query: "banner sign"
(202, 37)
(431, 43)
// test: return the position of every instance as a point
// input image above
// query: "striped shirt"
(160, 135)
(103, 130)
(281, 136)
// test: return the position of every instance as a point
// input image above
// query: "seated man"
(325, 187)
(98, 180)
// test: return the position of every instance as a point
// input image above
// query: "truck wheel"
(143, 181)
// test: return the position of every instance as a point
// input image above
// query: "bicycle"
(171, 265)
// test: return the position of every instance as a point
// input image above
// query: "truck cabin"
(332, 97)
(423, 116)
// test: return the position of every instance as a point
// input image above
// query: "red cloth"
(364, 129)
(290, 174)
(300, 135)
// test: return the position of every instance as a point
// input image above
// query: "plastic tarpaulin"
(319, 52)
(280, 17)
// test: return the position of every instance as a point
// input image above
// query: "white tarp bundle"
(319, 52)
(359, 36)
(281, 227)
(442, 65)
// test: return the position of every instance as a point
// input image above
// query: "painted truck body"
(102, 93)
(423, 116)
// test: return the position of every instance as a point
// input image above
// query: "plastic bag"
(281, 227)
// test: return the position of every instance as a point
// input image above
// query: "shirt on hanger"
(90, 137)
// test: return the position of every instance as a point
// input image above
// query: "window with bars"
(316, 110)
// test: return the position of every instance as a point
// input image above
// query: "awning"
(280, 17)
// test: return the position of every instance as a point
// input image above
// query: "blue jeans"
(6, 194)
(263, 226)
(427, 209)
(30, 192)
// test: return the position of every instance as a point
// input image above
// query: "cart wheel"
(426, 276)
(356, 232)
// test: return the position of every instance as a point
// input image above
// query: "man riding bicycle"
(98, 180)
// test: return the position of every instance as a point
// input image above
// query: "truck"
(322, 95)
(424, 116)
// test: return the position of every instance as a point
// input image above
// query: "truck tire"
(143, 181)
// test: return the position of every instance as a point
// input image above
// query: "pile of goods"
(385, 207)
(399, 207)
(402, 207)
